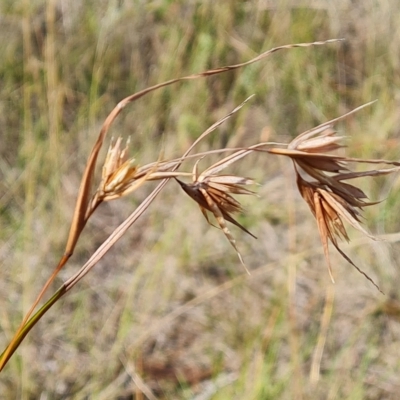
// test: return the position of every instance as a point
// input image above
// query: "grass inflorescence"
(167, 313)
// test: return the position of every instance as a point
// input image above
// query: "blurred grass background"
(169, 311)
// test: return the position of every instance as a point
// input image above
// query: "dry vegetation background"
(170, 310)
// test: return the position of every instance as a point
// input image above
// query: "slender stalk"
(23, 329)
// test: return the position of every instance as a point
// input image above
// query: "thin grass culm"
(321, 179)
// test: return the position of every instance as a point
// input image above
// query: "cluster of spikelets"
(321, 177)
(322, 180)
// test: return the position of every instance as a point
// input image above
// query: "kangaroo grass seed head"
(212, 193)
(320, 179)
(121, 176)
(208, 198)
(330, 210)
(118, 172)
(115, 157)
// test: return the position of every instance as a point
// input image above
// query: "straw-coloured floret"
(118, 172)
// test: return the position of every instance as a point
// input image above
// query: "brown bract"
(212, 192)
(330, 210)
(320, 180)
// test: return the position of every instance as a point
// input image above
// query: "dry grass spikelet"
(330, 210)
(117, 173)
(212, 192)
(320, 180)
